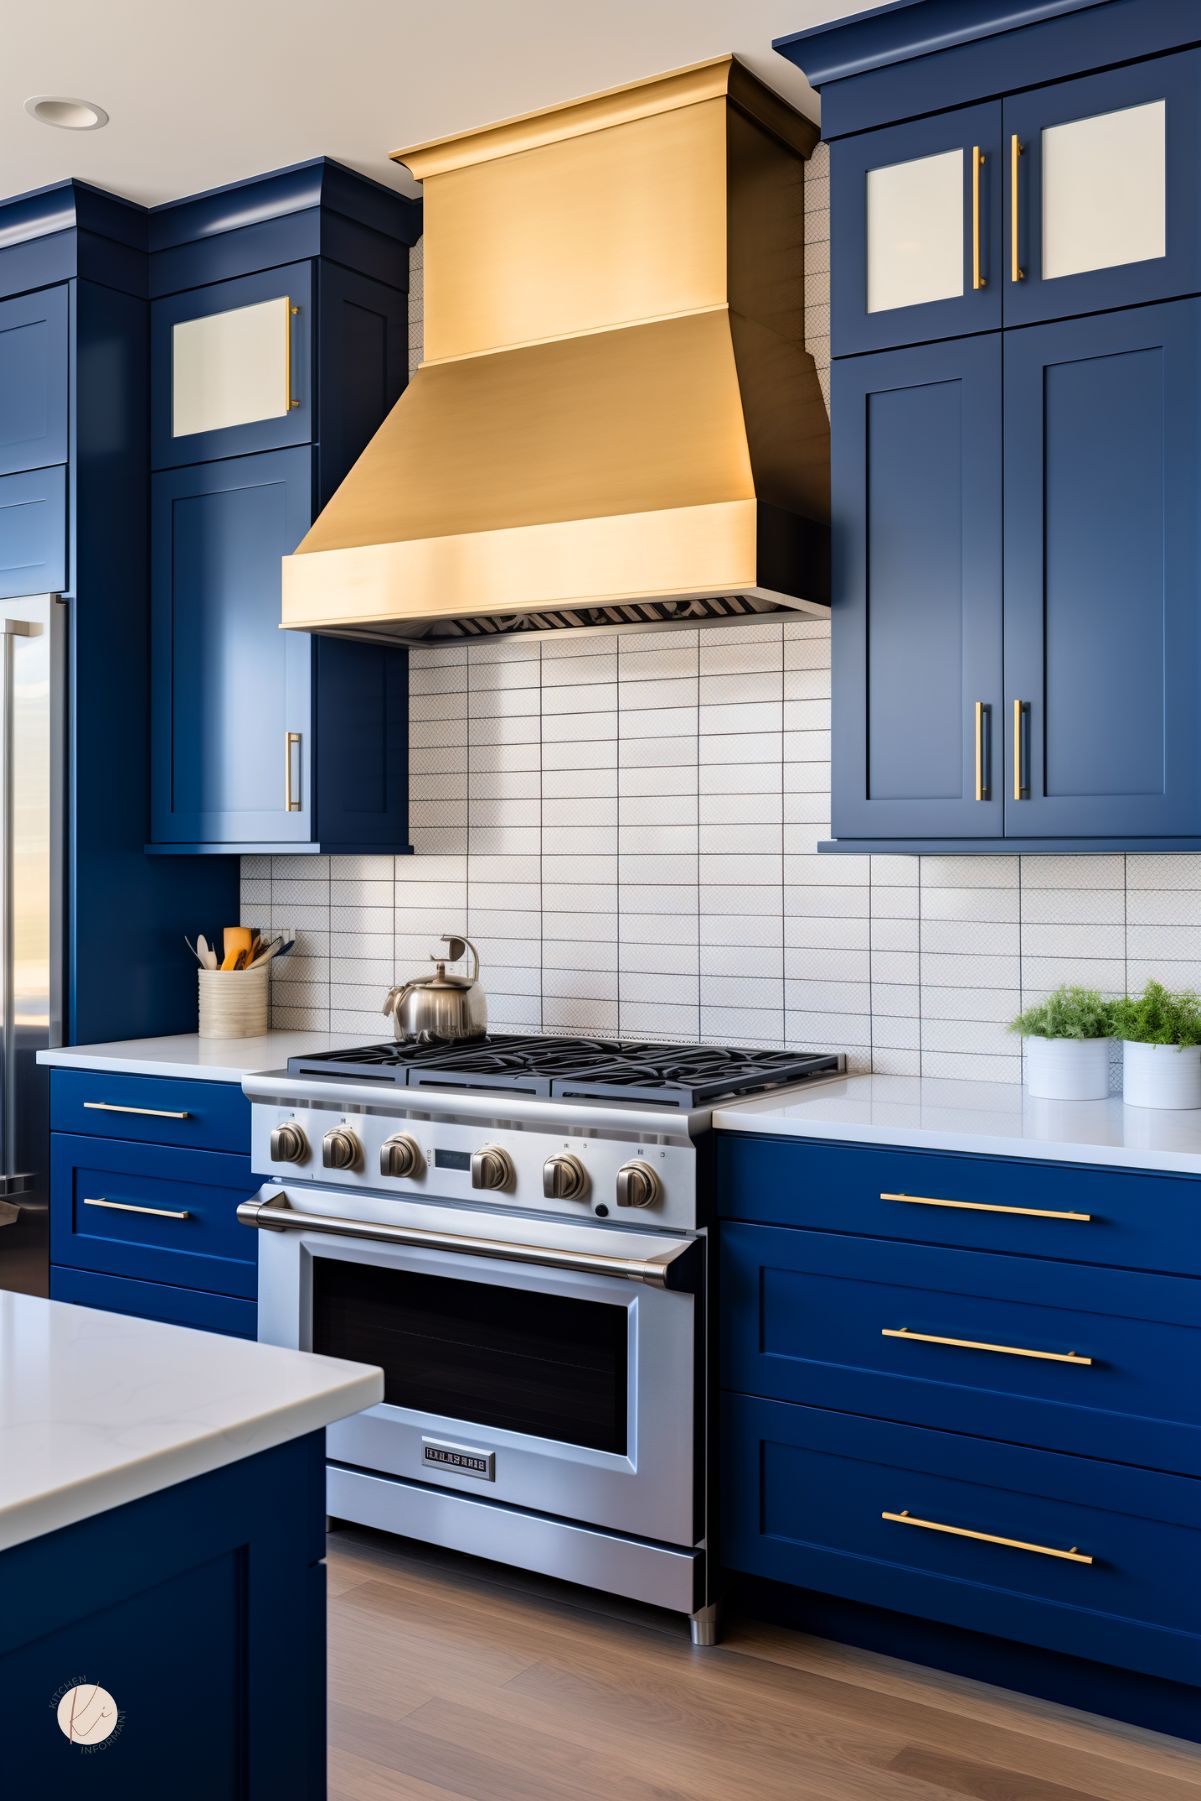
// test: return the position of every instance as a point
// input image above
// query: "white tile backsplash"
(627, 827)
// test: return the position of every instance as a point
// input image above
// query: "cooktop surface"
(669, 1075)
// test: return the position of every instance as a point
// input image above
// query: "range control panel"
(582, 1176)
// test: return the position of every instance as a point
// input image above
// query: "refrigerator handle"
(10, 1181)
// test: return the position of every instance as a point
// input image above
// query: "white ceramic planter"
(1067, 1069)
(1161, 1075)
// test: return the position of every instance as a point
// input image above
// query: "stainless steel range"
(514, 1229)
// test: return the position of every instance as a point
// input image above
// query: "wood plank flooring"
(456, 1679)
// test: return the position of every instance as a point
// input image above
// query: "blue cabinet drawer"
(1059, 1210)
(152, 1213)
(974, 1344)
(155, 1300)
(292, 415)
(33, 380)
(811, 1498)
(33, 533)
(206, 1116)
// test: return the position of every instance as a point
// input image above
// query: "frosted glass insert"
(1104, 190)
(915, 232)
(230, 368)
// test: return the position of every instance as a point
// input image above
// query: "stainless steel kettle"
(441, 1009)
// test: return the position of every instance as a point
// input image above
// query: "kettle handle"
(456, 946)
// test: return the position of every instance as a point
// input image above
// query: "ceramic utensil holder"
(234, 1002)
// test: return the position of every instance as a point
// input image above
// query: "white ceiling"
(199, 95)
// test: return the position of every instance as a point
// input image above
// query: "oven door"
(559, 1389)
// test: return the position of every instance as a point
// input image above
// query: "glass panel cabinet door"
(1100, 206)
(916, 231)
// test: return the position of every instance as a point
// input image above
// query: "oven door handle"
(672, 1269)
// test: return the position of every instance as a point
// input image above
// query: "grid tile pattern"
(627, 827)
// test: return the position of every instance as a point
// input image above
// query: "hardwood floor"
(450, 1678)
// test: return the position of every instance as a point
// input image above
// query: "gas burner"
(665, 1075)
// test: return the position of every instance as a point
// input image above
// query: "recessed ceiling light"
(69, 115)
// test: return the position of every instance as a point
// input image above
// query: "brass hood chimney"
(616, 421)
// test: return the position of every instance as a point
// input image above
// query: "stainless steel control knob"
(564, 1178)
(288, 1143)
(637, 1185)
(340, 1149)
(399, 1156)
(491, 1168)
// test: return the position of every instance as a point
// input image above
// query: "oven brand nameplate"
(463, 1458)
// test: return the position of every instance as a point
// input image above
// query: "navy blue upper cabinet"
(33, 380)
(33, 532)
(1014, 662)
(915, 222)
(232, 367)
(1066, 199)
(1102, 573)
(232, 745)
(363, 364)
(278, 346)
(1101, 190)
(916, 487)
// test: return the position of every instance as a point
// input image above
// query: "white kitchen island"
(162, 1590)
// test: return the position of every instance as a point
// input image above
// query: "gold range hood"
(616, 422)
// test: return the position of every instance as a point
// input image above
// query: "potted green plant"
(1161, 1047)
(1067, 1038)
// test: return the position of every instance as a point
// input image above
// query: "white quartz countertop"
(97, 1409)
(988, 1119)
(206, 1059)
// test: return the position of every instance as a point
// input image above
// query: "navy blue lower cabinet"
(168, 1110)
(1102, 563)
(161, 1301)
(1069, 1212)
(201, 1611)
(1095, 1361)
(1094, 1559)
(34, 364)
(155, 1214)
(916, 618)
(33, 533)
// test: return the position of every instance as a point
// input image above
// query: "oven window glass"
(510, 1358)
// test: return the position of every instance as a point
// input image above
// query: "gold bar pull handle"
(1016, 272)
(979, 1344)
(1021, 786)
(291, 401)
(142, 1112)
(128, 1207)
(929, 1200)
(983, 736)
(291, 743)
(905, 1518)
(979, 280)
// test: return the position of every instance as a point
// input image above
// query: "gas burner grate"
(664, 1075)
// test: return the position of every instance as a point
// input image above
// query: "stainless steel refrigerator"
(32, 853)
